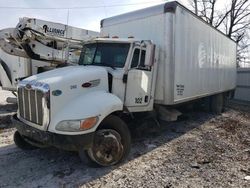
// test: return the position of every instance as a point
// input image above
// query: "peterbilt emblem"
(92, 83)
(28, 86)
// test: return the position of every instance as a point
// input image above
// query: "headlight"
(77, 125)
(70, 126)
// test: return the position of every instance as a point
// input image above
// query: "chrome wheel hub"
(107, 148)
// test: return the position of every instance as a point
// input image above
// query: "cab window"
(135, 60)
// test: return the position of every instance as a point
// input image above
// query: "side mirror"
(150, 53)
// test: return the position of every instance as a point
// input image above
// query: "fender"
(97, 103)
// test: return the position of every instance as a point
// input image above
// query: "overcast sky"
(82, 13)
(88, 16)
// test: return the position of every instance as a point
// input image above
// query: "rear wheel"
(21, 143)
(111, 144)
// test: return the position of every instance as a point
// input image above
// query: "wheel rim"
(107, 148)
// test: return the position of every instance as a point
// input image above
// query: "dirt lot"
(203, 150)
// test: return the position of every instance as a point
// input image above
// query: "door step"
(167, 114)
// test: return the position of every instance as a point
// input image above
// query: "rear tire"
(21, 143)
(111, 145)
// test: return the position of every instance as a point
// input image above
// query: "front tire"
(112, 143)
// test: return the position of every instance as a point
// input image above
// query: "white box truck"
(174, 58)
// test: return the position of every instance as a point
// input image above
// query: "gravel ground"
(203, 150)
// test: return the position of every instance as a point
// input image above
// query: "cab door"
(139, 78)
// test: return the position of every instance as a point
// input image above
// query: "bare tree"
(239, 19)
(195, 6)
(238, 26)
(234, 20)
(204, 9)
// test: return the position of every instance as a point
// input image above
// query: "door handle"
(125, 78)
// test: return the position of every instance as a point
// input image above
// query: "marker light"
(88, 123)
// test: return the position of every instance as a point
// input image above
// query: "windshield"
(104, 54)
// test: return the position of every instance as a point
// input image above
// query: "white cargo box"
(195, 59)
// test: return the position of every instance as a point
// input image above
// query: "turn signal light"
(88, 123)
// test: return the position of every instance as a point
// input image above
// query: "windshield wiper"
(108, 65)
(104, 64)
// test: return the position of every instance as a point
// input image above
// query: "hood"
(67, 77)
(66, 84)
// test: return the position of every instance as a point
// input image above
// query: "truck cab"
(79, 107)
(129, 64)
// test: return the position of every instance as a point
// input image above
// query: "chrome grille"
(30, 104)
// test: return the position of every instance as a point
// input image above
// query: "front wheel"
(112, 142)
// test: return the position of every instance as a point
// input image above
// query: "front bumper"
(66, 142)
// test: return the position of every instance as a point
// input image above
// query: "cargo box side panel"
(205, 59)
(147, 28)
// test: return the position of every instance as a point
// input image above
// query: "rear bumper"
(66, 142)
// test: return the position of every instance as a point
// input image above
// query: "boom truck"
(35, 46)
(173, 58)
